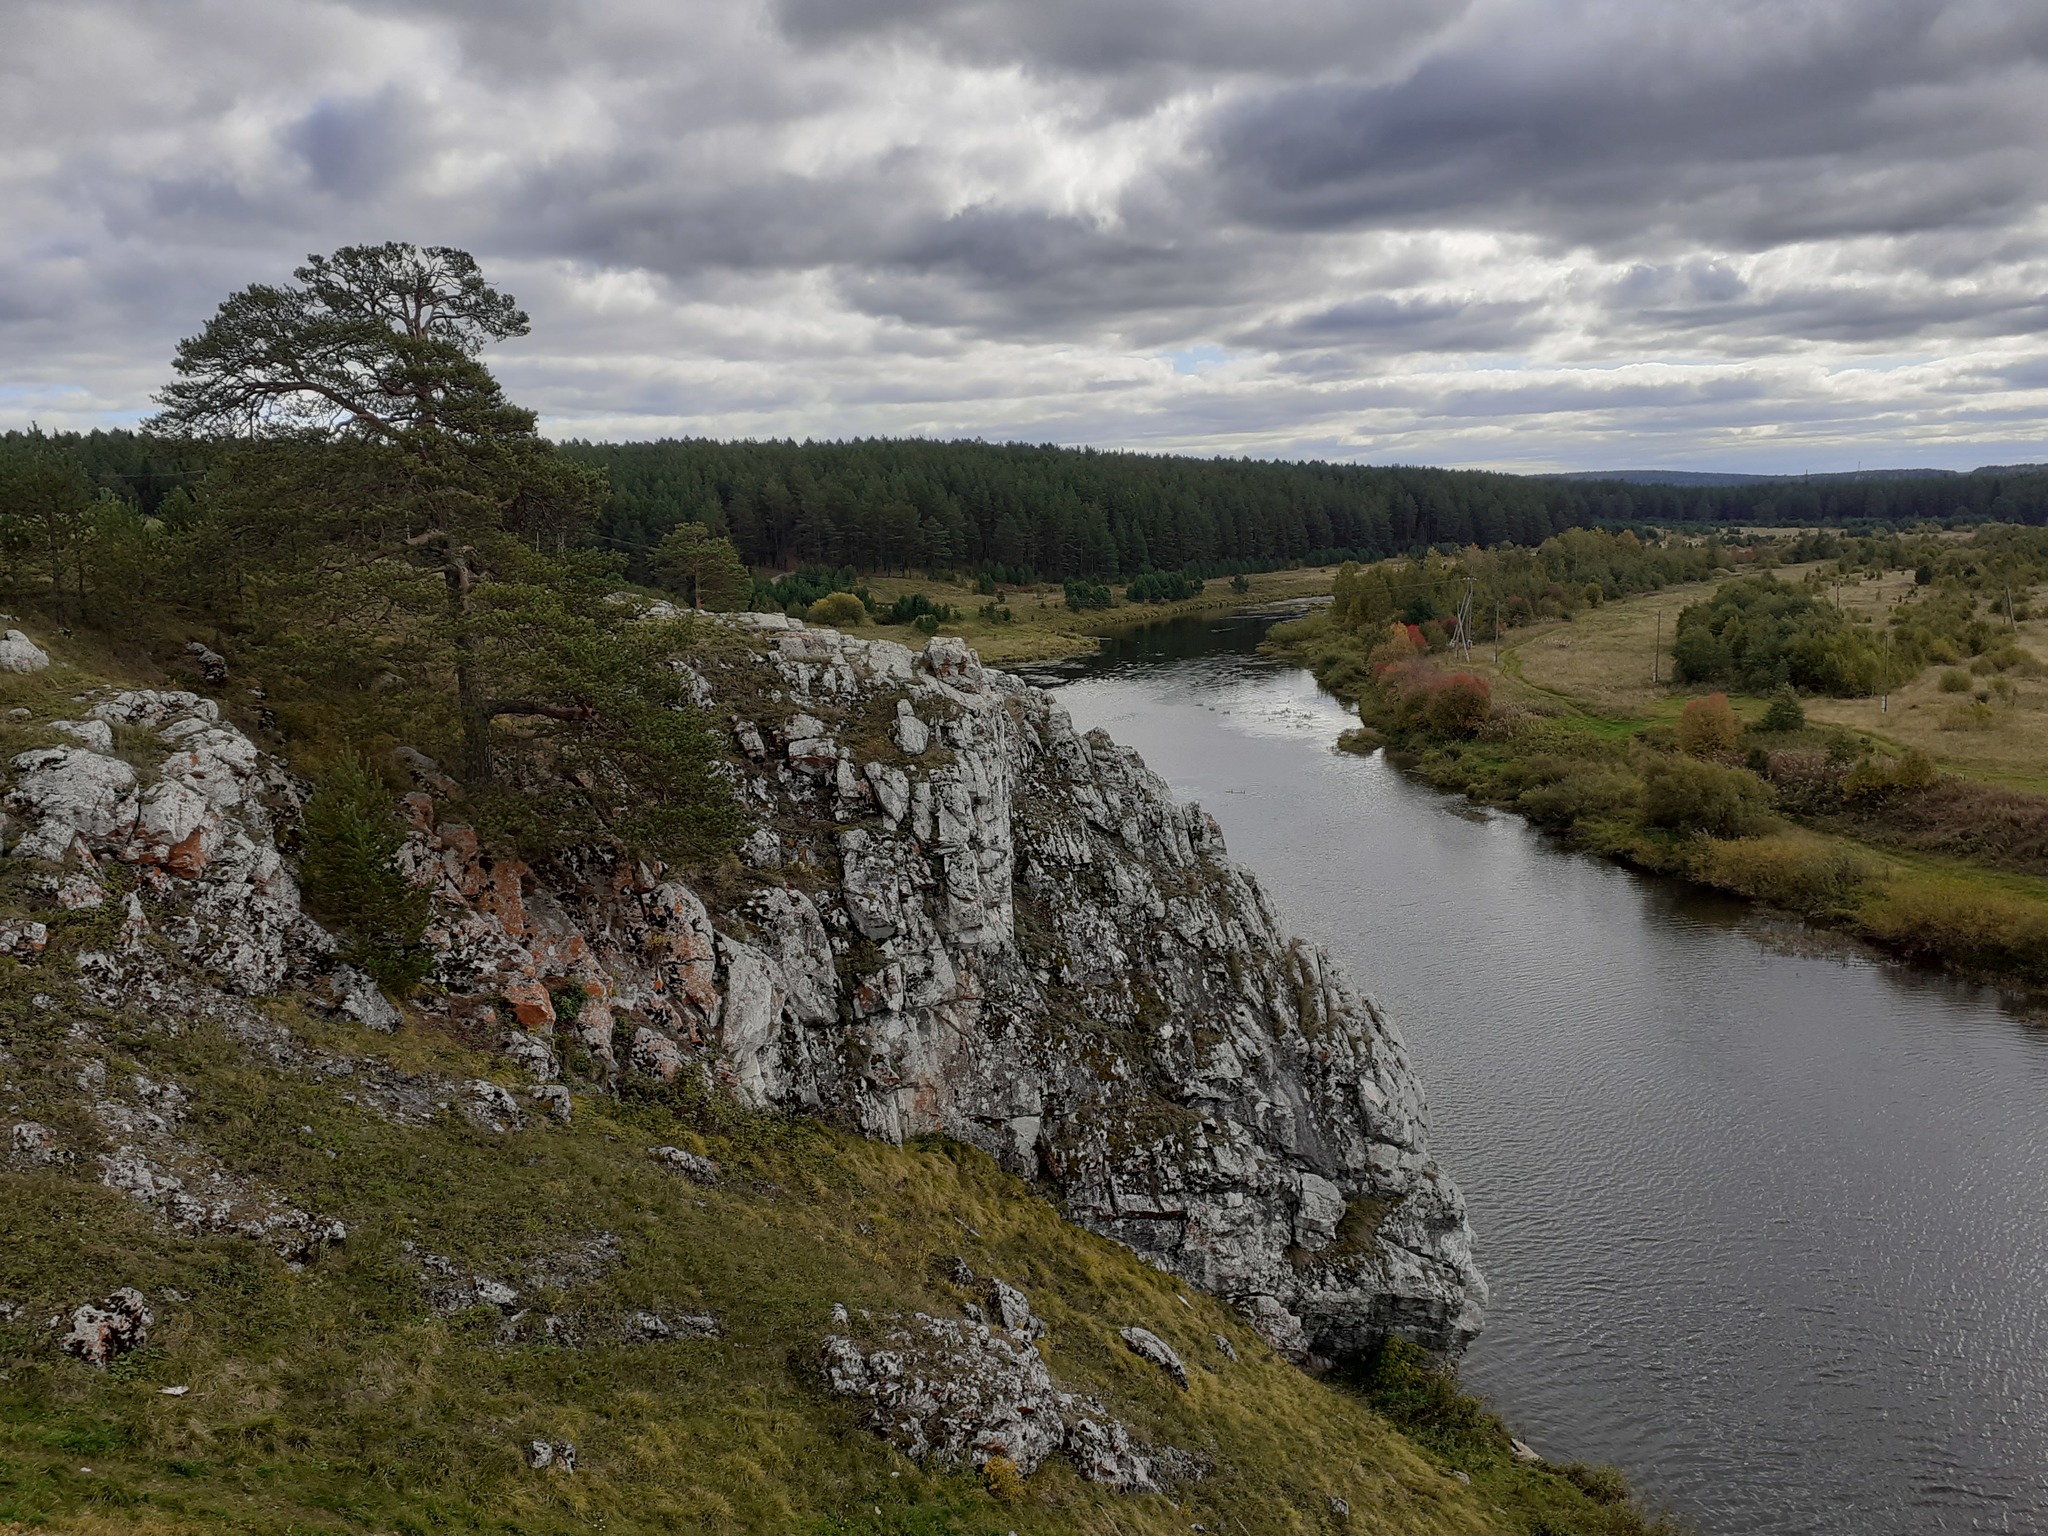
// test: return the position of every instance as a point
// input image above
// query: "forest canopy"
(1020, 512)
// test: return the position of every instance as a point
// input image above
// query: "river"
(1765, 1217)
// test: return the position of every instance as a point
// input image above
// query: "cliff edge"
(958, 915)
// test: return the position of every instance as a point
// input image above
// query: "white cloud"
(1780, 233)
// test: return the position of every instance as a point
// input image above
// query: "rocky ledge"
(959, 916)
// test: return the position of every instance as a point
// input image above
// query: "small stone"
(172, 1391)
(1340, 1508)
(36, 1145)
(554, 1098)
(698, 1169)
(19, 936)
(912, 735)
(363, 1001)
(1012, 1310)
(489, 1106)
(1226, 1349)
(212, 665)
(1147, 1345)
(81, 893)
(1523, 1451)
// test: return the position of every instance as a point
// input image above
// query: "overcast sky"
(1757, 234)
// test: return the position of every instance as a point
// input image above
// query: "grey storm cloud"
(1524, 232)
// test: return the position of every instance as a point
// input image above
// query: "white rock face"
(997, 928)
(200, 824)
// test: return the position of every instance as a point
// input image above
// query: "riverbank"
(1759, 1208)
(1839, 826)
(1041, 627)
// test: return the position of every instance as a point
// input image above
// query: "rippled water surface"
(1766, 1221)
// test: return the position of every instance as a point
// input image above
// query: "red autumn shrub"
(1458, 704)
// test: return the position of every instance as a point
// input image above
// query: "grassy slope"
(335, 1399)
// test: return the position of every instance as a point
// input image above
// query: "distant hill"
(1714, 477)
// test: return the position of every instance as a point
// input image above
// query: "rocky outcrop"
(970, 918)
(962, 916)
(197, 826)
(960, 1392)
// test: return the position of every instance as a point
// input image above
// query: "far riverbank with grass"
(1907, 818)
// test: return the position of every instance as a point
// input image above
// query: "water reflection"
(1766, 1218)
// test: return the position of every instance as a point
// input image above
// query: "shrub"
(1914, 770)
(1687, 795)
(1422, 1398)
(1000, 1476)
(1974, 716)
(926, 624)
(1800, 874)
(1954, 680)
(1082, 592)
(1708, 726)
(1957, 921)
(840, 609)
(1457, 705)
(911, 607)
(1761, 633)
(350, 840)
(1240, 583)
(1603, 1485)
(1784, 713)
(1584, 792)
(1162, 587)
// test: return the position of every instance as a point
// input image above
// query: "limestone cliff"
(959, 916)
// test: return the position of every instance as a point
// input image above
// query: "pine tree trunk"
(469, 698)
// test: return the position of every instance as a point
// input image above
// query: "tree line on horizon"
(1025, 513)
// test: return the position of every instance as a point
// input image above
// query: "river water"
(1765, 1218)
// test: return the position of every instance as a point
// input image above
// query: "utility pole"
(1657, 652)
(1496, 631)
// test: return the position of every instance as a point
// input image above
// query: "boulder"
(18, 653)
(102, 1334)
(1147, 1345)
(690, 1165)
